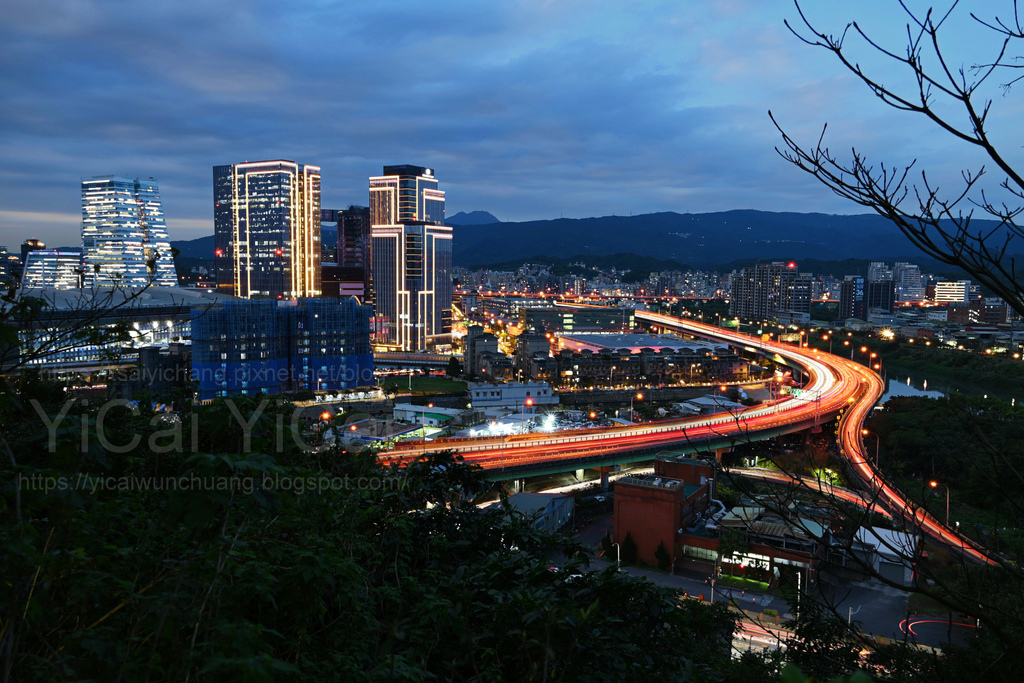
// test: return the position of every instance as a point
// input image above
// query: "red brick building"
(676, 506)
(654, 507)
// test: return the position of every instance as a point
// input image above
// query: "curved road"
(838, 387)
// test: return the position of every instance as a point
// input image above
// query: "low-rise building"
(430, 416)
(654, 508)
(511, 395)
(676, 506)
(554, 511)
(888, 553)
(708, 405)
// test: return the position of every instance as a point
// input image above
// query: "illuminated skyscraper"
(124, 236)
(52, 269)
(406, 194)
(412, 258)
(266, 220)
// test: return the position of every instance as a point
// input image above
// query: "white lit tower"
(124, 236)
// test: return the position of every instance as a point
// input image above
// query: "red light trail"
(840, 387)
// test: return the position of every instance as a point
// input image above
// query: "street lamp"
(865, 432)
(423, 425)
(935, 484)
(639, 397)
(522, 417)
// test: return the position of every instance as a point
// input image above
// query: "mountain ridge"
(471, 218)
(702, 241)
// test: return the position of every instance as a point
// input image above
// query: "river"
(901, 382)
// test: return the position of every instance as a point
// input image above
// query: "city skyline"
(645, 109)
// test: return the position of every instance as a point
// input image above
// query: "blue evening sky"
(528, 108)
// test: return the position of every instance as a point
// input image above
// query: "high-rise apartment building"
(909, 285)
(53, 269)
(411, 257)
(252, 347)
(880, 294)
(124, 235)
(879, 270)
(266, 219)
(852, 298)
(31, 244)
(354, 249)
(768, 289)
(952, 292)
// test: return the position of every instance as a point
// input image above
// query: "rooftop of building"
(653, 481)
(761, 522)
(109, 297)
(683, 459)
(375, 430)
(429, 410)
(634, 343)
(713, 400)
(408, 169)
(887, 541)
(529, 503)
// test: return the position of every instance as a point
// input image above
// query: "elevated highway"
(834, 387)
(826, 392)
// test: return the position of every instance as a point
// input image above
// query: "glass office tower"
(52, 269)
(266, 220)
(406, 194)
(412, 258)
(124, 236)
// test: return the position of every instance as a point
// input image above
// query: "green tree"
(454, 367)
(730, 543)
(663, 557)
(291, 563)
(821, 645)
(629, 550)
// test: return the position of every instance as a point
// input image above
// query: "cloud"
(527, 109)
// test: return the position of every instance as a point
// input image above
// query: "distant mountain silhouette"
(201, 247)
(471, 218)
(701, 240)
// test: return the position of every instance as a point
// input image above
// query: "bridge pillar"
(719, 452)
(579, 475)
(604, 476)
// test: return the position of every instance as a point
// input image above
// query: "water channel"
(903, 382)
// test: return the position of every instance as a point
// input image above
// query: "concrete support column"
(579, 475)
(719, 452)
(604, 476)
